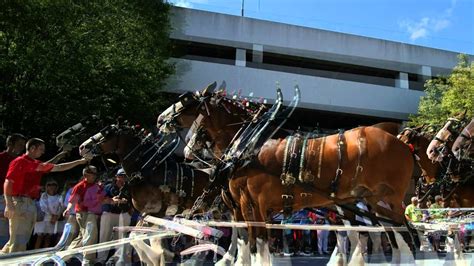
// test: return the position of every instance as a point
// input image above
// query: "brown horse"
(419, 142)
(437, 148)
(462, 146)
(367, 147)
(153, 174)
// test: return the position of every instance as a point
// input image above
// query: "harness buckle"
(286, 196)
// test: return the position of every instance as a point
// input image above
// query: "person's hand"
(66, 213)
(54, 219)
(84, 160)
(9, 211)
(118, 200)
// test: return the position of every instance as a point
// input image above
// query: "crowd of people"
(33, 216)
(429, 212)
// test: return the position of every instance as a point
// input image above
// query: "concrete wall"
(395, 101)
(317, 93)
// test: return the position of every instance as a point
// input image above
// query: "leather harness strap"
(340, 150)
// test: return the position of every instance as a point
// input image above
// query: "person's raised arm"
(69, 165)
(58, 157)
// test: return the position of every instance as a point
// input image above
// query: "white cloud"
(441, 24)
(428, 25)
(418, 33)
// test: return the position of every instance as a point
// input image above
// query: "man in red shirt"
(22, 187)
(87, 197)
(15, 146)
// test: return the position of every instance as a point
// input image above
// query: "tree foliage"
(447, 96)
(65, 60)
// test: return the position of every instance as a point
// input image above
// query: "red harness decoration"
(412, 148)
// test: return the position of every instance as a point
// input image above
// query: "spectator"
(306, 217)
(116, 211)
(70, 217)
(87, 197)
(414, 215)
(50, 204)
(287, 235)
(438, 204)
(323, 235)
(15, 146)
(341, 236)
(21, 188)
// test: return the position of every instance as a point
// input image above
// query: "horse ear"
(209, 89)
(462, 115)
(420, 128)
(223, 86)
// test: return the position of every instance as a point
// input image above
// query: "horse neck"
(223, 122)
(181, 176)
(127, 153)
(425, 163)
(464, 140)
(469, 129)
(389, 127)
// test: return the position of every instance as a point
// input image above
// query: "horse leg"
(236, 187)
(229, 256)
(262, 255)
(377, 251)
(147, 254)
(152, 254)
(243, 243)
(249, 214)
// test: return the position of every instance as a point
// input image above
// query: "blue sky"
(442, 24)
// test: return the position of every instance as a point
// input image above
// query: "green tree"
(447, 96)
(63, 60)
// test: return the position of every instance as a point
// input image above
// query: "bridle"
(216, 99)
(450, 126)
(413, 139)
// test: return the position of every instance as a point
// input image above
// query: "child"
(50, 204)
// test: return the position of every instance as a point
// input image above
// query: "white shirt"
(50, 205)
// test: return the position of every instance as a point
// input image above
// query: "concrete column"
(240, 59)
(402, 81)
(257, 53)
(425, 73)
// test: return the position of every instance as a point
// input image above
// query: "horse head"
(417, 140)
(135, 148)
(183, 112)
(463, 143)
(216, 120)
(141, 155)
(438, 147)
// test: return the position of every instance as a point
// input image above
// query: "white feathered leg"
(262, 257)
(229, 256)
(243, 252)
(404, 252)
(151, 255)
